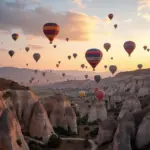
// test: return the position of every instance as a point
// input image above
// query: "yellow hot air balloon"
(82, 94)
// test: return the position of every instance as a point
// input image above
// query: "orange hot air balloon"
(129, 46)
(15, 36)
(51, 30)
(107, 46)
(110, 16)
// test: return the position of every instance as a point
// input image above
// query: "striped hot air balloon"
(15, 36)
(93, 56)
(51, 30)
(129, 46)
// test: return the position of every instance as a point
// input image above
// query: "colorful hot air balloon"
(115, 26)
(97, 78)
(105, 66)
(27, 49)
(36, 56)
(82, 66)
(63, 74)
(107, 46)
(51, 30)
(110, 16)
(93, 56)
(69, 57)
(15, 36)
(99, 94)
(129, 46)
(145, 47)
(140, 66)
(74, 55)
(112, 69)
(86, 76)
(81, 94)
(11, 53)
(57, 65)
(67, 39)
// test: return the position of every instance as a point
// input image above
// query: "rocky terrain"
(119, 122)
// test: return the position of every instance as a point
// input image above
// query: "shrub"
(54, 141)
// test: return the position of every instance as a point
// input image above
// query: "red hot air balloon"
(51, 30)
(11, 53)
(110, 16)
(99, 94)
(112, 69)
(129, 46)
(15, 36)
(93, 56)
(140, 66)
(36, 56)
(145, 47)
(107, 46)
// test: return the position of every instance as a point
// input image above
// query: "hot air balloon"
(26, 64)
(57, 65)
(111, 58)
(93, 56)
(54, 46)
(145, 47)
(112, 69)
(36, 56)
(140, 66)
(99, 94)
(86, 67)
(15, 36)
(107, 46)
(115, 26)
(86, 76)
(110, 16)
(97, 78)
(67, 39)
(81, 94)
(63, 74)
(148, 50)
(36, 71)
(11, 53)
(27, 49)
(69, 57)
(82, 66)
(59, 62)
(105, 66)
(129, 46)
(74, 55)
(51, 30)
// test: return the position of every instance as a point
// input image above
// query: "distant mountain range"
(23, 75)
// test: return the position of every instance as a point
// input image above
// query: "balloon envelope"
(11, 53)
(140, 66)
(112, 69)
(110, 16)
(99, 94)
(97, 78)
(129, 46)
(81, 93)
(36, 56)
(15, 36)
(107, 46)
(93, 56)
(51, 30)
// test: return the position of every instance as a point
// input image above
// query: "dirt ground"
(73, 145)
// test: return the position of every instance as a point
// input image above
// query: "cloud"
(143, 4)
(76, 26)
(127, 20)
(37, 47)
(79, 3)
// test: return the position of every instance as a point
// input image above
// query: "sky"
(84, 22)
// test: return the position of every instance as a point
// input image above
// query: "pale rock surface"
(131, 104)
(143, 134)
(40, 125)
(10, 132)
